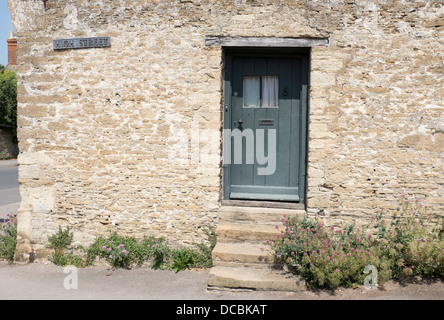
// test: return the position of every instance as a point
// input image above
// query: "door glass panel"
(270, 92)
(251, 92)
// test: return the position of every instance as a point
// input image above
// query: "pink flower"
(104, 248)
(337, 270)
(110, 256)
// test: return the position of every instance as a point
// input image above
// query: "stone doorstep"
(239, 262)
(253, 279)
(257, 214)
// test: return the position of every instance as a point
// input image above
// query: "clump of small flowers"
(412, 240)
(117, 255)
(10, 220)
(330, 257)
(157, 251)
(8, 237)
(325, 257)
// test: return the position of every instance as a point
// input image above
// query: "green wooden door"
(265, 127)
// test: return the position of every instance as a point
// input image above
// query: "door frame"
(255, 52)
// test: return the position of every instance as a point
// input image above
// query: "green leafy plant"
(60, 258)
(182, 259)
(5, 155)
(157, 251)
(62, 255)
(325, 257)
(117, 255)
(8, 237)
(411, 240)
(127, 251)
(61, 239)
(118, 250)
(203, 255)
(8, 100)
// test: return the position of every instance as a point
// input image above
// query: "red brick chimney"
(12, 50)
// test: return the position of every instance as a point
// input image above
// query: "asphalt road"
(9, 187)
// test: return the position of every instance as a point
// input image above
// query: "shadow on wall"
(8, 148)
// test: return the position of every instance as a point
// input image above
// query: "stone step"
(231, 231)
(253, 279)
(257, 214)
(245, 253)
(239, 262)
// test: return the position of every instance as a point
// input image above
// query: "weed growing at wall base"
(62, 255)
(128, 252)
(407, 244)
(323, 258)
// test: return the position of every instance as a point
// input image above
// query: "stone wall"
(128, 138)
(376, 123)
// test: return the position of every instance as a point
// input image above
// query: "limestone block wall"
(376, 120)
(128, 138)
